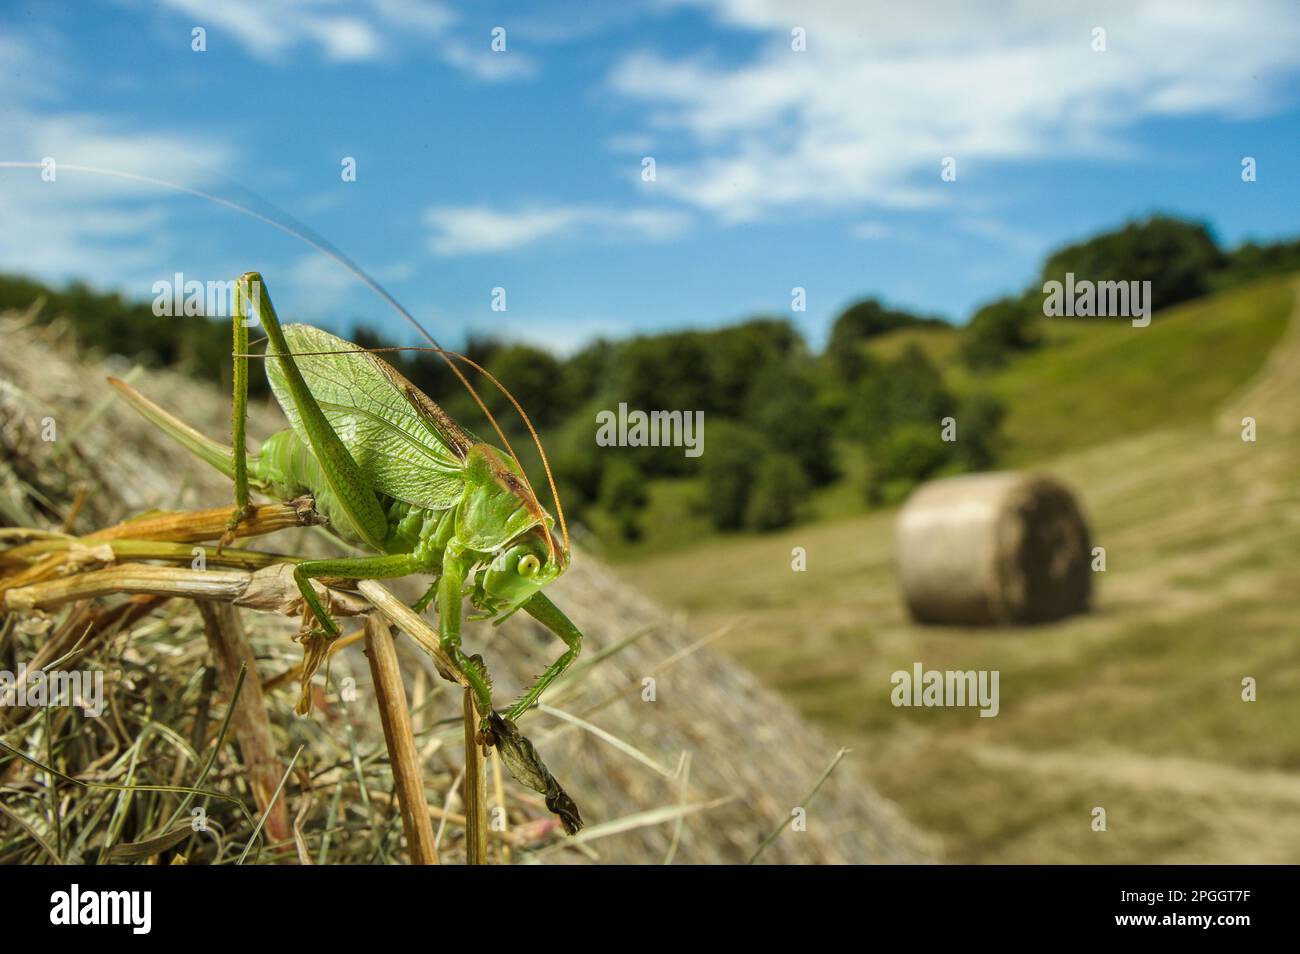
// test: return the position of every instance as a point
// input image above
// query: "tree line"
(780, 417)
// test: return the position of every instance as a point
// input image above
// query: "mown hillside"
(1136, 707)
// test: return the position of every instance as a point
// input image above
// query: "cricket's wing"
(398, 449)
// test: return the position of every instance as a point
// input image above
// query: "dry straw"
(993, 549)
(178, 745)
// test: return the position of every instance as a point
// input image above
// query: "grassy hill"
(1092, 381)
(1135, 707)
(1095, 380)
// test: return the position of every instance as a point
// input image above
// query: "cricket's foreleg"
(451, 586)
(316, 643)
(549, 615)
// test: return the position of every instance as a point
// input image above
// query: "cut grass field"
(1135, 707)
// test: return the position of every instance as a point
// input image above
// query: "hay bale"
(993, 549)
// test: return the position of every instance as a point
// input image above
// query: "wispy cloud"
(113, 231)
(562, 335)
(318, 284)
(866, 114)
(870, 231)
(358, 32)
(490, 66)
(479, 229)
(992, 230)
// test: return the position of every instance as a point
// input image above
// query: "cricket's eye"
(529, 565)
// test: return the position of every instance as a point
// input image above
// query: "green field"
(1135, 707)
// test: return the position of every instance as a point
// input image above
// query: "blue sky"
(775, 168)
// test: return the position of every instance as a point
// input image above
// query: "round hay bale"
(993, 548)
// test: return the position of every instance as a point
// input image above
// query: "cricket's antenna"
(279, 219)
(273, 216)
(523, 415)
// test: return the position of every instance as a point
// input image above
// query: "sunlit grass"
(1135, 707)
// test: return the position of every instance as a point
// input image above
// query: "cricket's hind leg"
(423, 603)
(239, 422)
(347, 481)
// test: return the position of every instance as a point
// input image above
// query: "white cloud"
(870, 231)
(882, 94)
(319, 285)
(563, 335)
(319, 280)
(992, 230)
(354, 32)
(113, 231)
(639, 144)
(489, 66)
(477, 229)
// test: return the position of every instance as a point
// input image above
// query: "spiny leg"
(315, 645)
(239, 459)
(423, 602)
(347, 480)
(384, 567)
(455, 567)
(540, 608)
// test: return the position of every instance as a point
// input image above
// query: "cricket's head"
(518, 570)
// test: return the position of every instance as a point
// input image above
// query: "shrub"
(908, 389)
(786, 410)
(979, 430)
(731, 459)
(623, 495)
(910, 454)
(1000, 329)
(1178, 257)
(778, 492)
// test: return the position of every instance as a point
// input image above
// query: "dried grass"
(702, 769)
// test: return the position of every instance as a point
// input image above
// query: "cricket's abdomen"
(288, 469)
(417, 530)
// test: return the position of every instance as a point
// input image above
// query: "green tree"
(787, 409)
(860, 322)
(1000, 329)
(623, 495)
(979, 430)
(779, 490)
(910, 454)
(1251, 261)
(730, 464)
(1177, 256)
(533, 376)
(908, 389)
